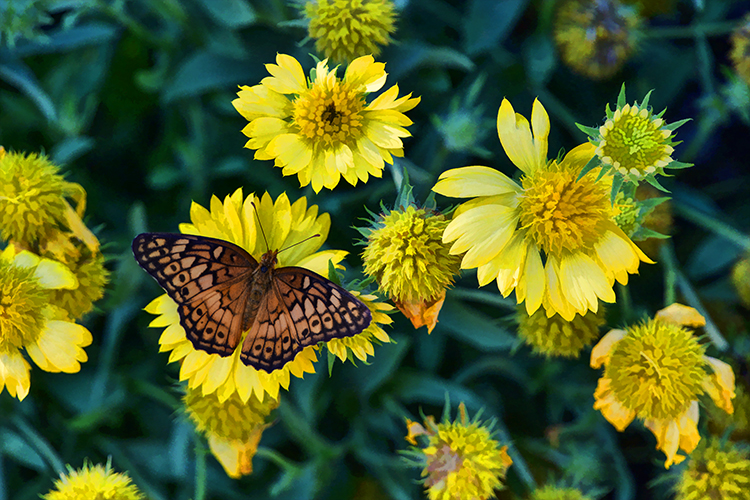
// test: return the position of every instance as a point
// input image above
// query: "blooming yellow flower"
(461, 460)
(322, 129)
(94, 482)
(235, 220)
(550, 492)
(406, 254)
(656, 371)
(596, 38)
(554, 336)
(33, 198)
(29, 321)
(346, 29)
(716, 470)
(360, 345)
(233, 427)
(507, 228)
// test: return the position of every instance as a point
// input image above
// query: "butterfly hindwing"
(301, 310)
(206, 278)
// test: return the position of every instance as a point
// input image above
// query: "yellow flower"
(507, 227)
(233, 427)
(235, 220)
(323, 129)
(740, 52)
(716, 470)
(656, 371)
(737, 423)
(596, 38)
(360, 345)
(550, 492)
(346, 29)
(29, 321)
(741, 280)
(461, 460)
(406, 254)
(94, 482)
(555, 336)
(33, 198)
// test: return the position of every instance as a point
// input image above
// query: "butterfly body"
(221, 292)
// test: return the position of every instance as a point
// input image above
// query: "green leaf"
(621, 100)
(473, 327)
(678, 164)
(617, 181)
(17, 74)
(592, 132)
(675, 125)
(489, 22)
(231, 13)
(652, 180)
(590, 165)
(644, 104)
(204, 72)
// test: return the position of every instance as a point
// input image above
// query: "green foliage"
(133, 98)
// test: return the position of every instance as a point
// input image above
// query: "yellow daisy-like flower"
(29, 321)
(596, 38)
(406, 254)
(507, 228)
(346, 29)
(235, 220)
(656, 371)
(716, 470)
(94, 482)
(360, 345)
(322, 129)
(33, 198)
(461, 460)
(740, 52)
(555, 336)
(550, 492)
(233, 427)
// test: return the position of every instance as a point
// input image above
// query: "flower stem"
(38, 443)
(713, 225)
(200, 468)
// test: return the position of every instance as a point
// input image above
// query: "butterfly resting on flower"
(221, 292)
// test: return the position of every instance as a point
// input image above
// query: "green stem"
(200, 468)
(37, 442)
(713, 225)
(691, 297)
(625, 302)
(277, 458)
(707, 29)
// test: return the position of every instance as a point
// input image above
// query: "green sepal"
(604, 171)
(652, 180)
(592, 132)
(644, 104)
(678, 164)
(590, 165)
(675, 125)
(430, 203)
(617, 181)
(610, 113)
(661, 113)
(405, 196)
(646, 206)
(644, 233)
(621, 100)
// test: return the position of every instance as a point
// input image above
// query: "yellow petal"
(14, 374)
(720, 385)
(532, 284)
(467, 182)
(600, 352)
(605, 401)
(526, 152)
(681, 315)
(288, 76)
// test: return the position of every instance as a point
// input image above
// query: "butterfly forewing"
(221, 291)
(301, 310)
(207, 279)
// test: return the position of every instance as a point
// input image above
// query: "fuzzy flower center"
(657, 370)
(94, 482)
(634, 143)
(330, 115)
(561, 214)
(21, 305)
(556, 337)
(716, 470)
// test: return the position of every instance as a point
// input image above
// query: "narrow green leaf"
(592, 132)
(679, 164)
(644, 104)
(652, 180)
(621, 101)
(590, 165)
(675, 125)
(617, 181)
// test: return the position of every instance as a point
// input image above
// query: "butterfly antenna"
(260, 225)
(300, 242)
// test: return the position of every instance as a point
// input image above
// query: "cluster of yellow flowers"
(559, 235)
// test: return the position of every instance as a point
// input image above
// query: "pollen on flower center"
(561, 213)
(21, 304)
(657, 370)
(332, 116)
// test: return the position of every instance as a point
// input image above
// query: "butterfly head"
(268, 261)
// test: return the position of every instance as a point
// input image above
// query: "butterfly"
(221, 291)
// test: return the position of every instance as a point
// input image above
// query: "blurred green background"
(133, 99)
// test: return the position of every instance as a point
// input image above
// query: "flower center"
(329, 114)
(634, 143)
(657, 370)
(21, 305)
(560, 213)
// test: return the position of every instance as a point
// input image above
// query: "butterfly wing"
(207, 278)
(301, 309)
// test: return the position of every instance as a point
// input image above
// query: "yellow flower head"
(740, 52)
(634, 143)
(406, 254)
(461, 460)
(322, 129)
(741, 280)
(346, 29)
(656, 371)
(233, 427)
(552, 239)
(94, 482)
(738, 423)
(235, 220)
(596, 37)
(32, 198)
(555, 336)
(716, 470)
(29, 321)
(550, 492)
(360, 345)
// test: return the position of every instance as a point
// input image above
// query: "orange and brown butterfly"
(221, 292)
